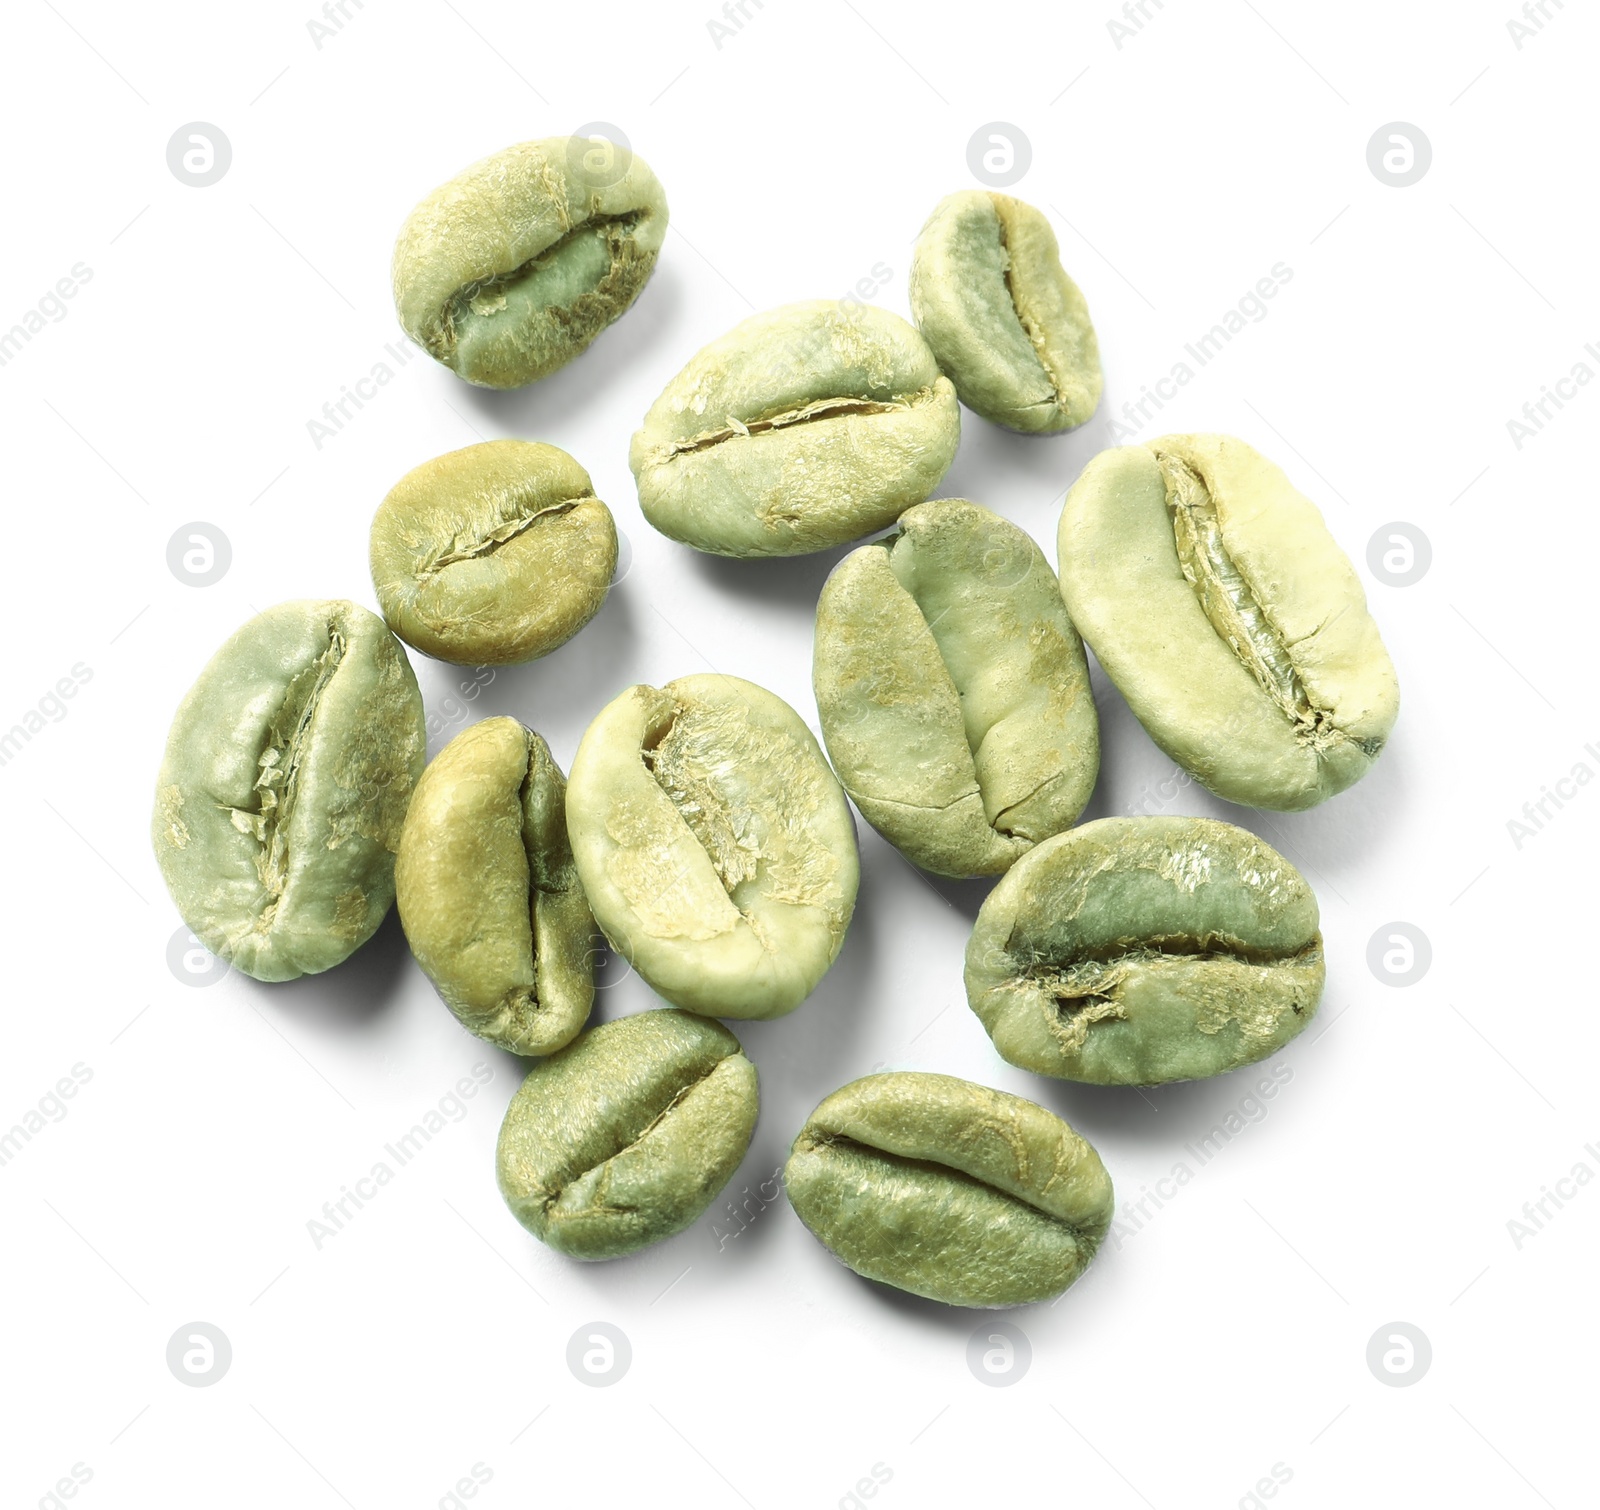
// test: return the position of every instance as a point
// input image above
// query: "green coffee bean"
(488, 892)
(625, 1136)
(1134, 951)
(801, 428)
(492, 555)
(512, 268)
(1217, 601)
(714, 844)
(1007, 324)
(286, 777)
(949, 1189)
(953, 692)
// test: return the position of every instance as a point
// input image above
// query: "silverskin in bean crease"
(1215, 598)
(488, 892)
(714, 844)
(1136, 951)
(626, 1136)
(950, 1190)
(953, 691)
(287, 774)
(512, 268)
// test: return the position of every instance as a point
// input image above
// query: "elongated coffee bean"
(1007, 324)
(801, 428)
(1134, 951)
(714, 844)
(512, 268)
(626, 1136)
(1217, 601)
(488, 893)
(953, 692)
(285, 781)
(949, 1189)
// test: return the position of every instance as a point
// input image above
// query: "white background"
(1213, 1339)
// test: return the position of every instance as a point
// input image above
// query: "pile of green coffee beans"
(701, 826)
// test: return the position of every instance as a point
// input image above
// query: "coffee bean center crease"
(602, 240)
(824, 408)
(287, 734)
(467, 547)
(1233, 608)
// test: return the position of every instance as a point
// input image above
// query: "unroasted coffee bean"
(1007, 324)
(1134, 951)
(802, 427)
(949, 1189)
(285, 781)
(512, 268)
(494, 554)
(714, 844)
(627, 1135)
(488, 892)
(1215, 598)
(953, 692)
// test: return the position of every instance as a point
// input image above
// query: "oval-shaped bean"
(801, 428)
(514, 266)
(284, 784)
(950, 1190)
(625, 1136)
(1251, 658)
(494, 554)
(1007, 324)
(1134, 951)
(488, 892)
(714, 844)
(953, 692)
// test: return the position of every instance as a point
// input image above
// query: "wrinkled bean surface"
(625, 1136)
(494, 554)
(949, 1189)
(284, 784)
(514, 266)
(801, 428)
(1134, 951)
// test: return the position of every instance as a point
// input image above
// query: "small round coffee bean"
(625, 1136)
